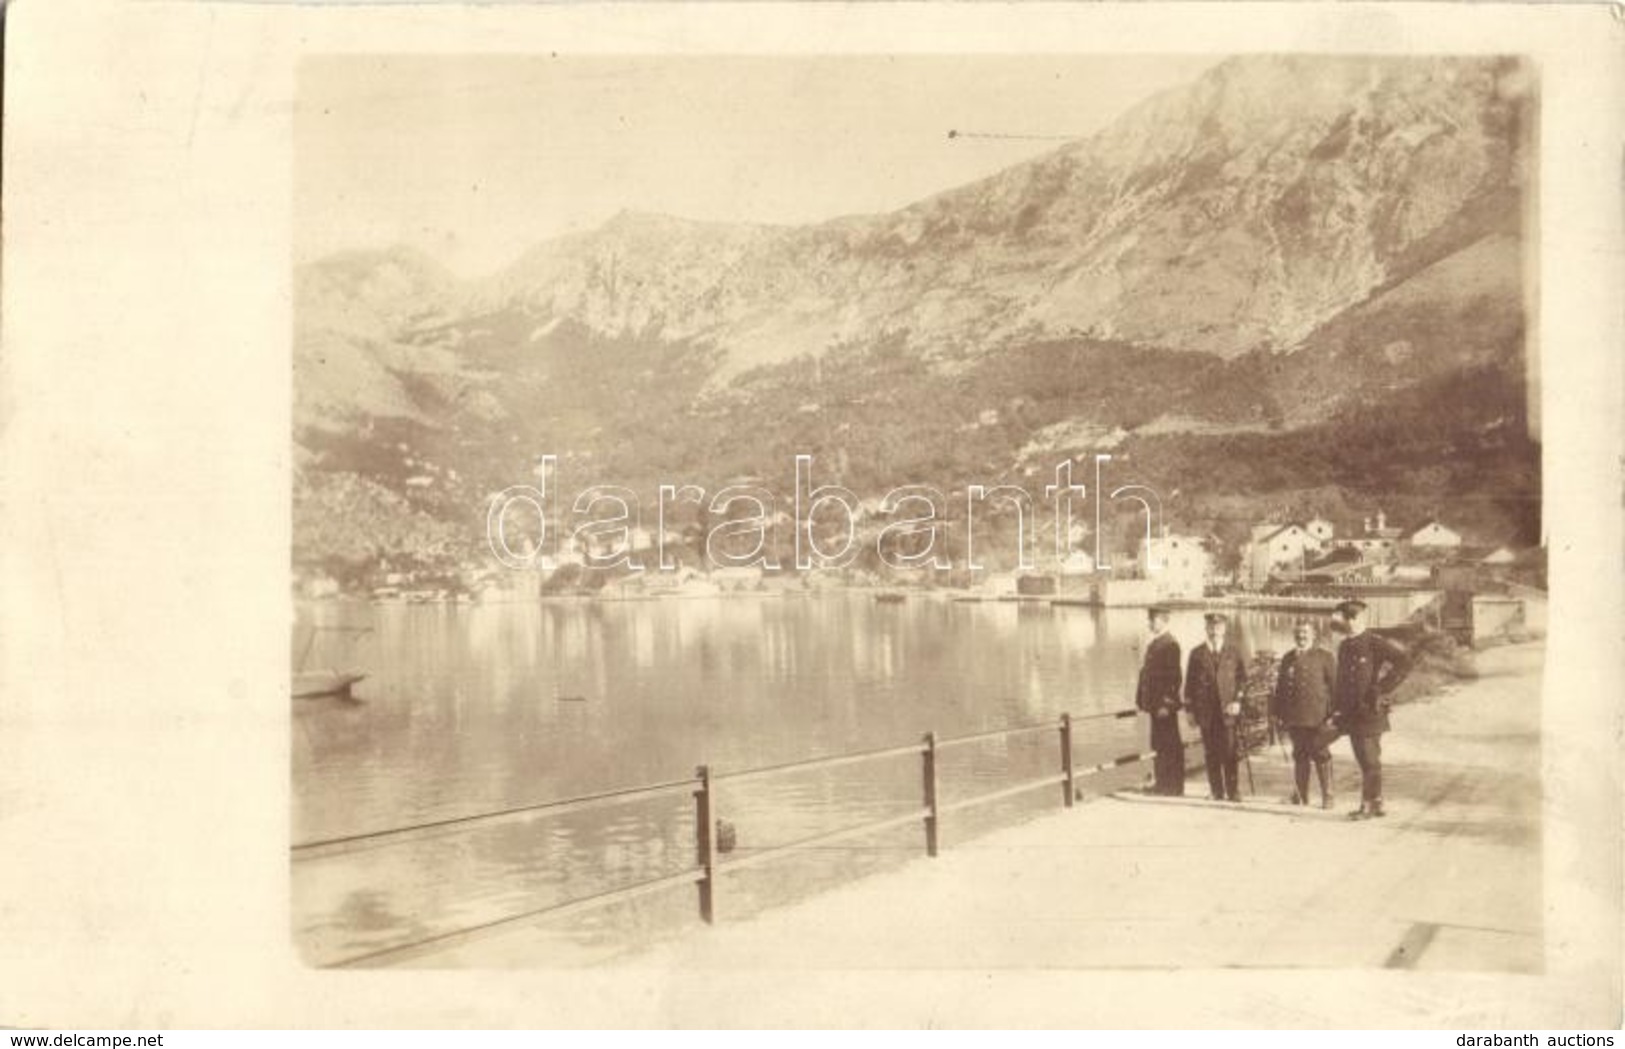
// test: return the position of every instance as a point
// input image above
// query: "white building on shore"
(1434, 535)
(1179, 566)
(1278, 550)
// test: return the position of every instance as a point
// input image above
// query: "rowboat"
(308, 684)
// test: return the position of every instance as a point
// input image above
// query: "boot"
(1323, 772)
(1374, 807)
(1361, 813)
(1300, 795)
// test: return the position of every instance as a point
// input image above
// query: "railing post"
(705, 855)
(928, 770)
(1066, 758)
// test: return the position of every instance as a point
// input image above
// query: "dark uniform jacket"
(1213, 682)
(1369, 668)
(1304, 684)
(1159, 676)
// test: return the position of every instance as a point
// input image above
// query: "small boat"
(890, 597)
(309, 684)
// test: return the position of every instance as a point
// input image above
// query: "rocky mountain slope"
(1237, 213)
(1287, 244)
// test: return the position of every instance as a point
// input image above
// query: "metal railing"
(709, 866)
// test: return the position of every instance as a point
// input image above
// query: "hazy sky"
(476, 159)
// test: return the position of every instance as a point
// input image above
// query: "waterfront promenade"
(1261, 914)
(1451, 880)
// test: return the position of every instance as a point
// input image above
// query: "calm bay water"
(475, 708)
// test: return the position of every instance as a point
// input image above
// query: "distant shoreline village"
(907, 527)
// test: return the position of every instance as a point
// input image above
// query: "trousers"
(1169, 766)
(1223, 762)
(1368, 755)
(1309, 746)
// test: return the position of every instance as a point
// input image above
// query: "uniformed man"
(1302, 704)
(1369, 668)
(1158, 695)
(1214, 681)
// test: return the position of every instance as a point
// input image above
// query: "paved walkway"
(1451, 879)
(1132, 911)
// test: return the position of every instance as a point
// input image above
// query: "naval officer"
(1215, 679)
(1302, 704)
(1158, 695)
(1369, 668)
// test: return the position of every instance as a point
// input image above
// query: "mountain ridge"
(1281, 243)
(1041, 248)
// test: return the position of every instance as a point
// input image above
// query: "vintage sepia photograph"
(848, 511)
(875, 517)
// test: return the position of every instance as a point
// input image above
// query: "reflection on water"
(474, 708)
